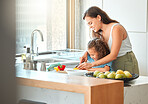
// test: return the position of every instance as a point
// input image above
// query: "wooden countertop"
(107, 91)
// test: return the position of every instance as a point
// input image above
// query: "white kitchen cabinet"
(132, 14)
(49, 96)
(135, 92)
(139, 45)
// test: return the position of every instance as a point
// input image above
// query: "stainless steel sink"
(49, 61)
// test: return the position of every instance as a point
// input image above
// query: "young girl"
(98, 49)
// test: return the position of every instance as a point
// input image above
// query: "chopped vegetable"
(75, 68)
(61, 67)
(56, 68)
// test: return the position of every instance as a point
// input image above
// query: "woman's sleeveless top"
(125, 46)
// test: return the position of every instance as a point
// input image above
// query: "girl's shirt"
(89, 59)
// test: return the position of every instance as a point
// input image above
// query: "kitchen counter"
(95, 91)
(78, 89)
(136, 91)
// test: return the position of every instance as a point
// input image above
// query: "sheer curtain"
(82, 32)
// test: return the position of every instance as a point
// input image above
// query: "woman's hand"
(83, 58)
(85, 66)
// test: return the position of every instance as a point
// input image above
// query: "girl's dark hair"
(93, 12)
(100, 46)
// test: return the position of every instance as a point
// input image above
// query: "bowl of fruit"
(126, 76)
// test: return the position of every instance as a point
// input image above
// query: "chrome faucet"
(32, 39)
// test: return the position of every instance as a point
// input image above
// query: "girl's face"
(94, 23)
(93, 54)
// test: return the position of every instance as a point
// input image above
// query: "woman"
(117, 39)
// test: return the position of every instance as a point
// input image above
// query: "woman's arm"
(117, 37)
(106, 68)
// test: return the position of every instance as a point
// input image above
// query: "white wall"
(139, 44)
(132, 14)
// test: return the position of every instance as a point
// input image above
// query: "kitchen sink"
(49, 61)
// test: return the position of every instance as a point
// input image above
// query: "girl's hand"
(85, 66)
(83, 58)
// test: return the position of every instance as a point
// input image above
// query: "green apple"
(95, 73)
(106, 73)
(111, 75)
(102, 76)
(118, 76)
(113, 72)
(123, 75)
(99, 74)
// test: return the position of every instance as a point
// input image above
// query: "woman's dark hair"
(100, 46)
(93, 12)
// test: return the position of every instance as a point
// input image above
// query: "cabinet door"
(132, 14)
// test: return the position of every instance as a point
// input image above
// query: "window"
(82, 33)
(49, 16)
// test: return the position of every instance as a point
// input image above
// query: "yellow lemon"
(56, 68)
(128, 75)
(119, 71)
(75, 68)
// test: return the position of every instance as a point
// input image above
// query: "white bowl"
(76, 72)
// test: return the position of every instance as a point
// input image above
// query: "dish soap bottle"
(24, 54)
(28, 55)
(28, 64)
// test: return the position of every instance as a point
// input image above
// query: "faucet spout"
(32, 39)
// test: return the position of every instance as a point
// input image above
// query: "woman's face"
(93, 54)
(94, 23)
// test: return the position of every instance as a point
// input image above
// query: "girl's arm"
(106, 68)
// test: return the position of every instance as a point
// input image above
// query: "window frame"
(71, 24)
